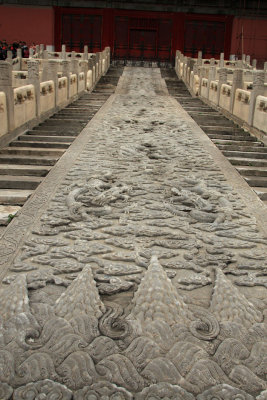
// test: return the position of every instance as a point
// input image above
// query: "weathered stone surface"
(142, 274)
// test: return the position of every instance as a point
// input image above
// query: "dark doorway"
(142, 38)
(79, 30)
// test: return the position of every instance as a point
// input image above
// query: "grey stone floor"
(138, 268)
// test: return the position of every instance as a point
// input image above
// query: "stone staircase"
(27, 160)
(244, 151)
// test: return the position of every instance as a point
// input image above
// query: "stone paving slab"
(137, 269)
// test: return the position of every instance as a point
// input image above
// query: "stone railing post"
(33, 79)
(108, 57)
(6, 87)
(190, 64)
(63, 52)
(248, 60)
(254, 63)
(66, 73)
(236, 84)
(9, 57)
(31, 52)
(199, 58)
(92, 64)
(85, 53)
(19, 57)
(211, 75)
(221, 63)
(53, 66)
(202, 74)
(97, 66)
(258, 89)
(75, 68)
(84, 68)
(41, 55)
(222, 80)
(37, 50)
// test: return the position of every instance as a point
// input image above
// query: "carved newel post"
(6, 87)
(63, 52)
(199, 59)
(33, 79)
(212, 75)
(222, 80)
(221, 63)
(237, 84)
(53, 66)
(85, 53)
(258, 90)
(66, 73)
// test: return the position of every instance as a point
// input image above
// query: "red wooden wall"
(142, 34)
(135, 34)
(28, 24)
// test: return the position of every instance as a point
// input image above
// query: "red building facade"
(132, 34)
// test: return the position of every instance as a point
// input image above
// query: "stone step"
(43, 138)
(22, 143)
(25, 151)
(252, 171)
(237, 138)
(27, 160)
(261, 192)
(203, 122)
(65, 118)
(224, 130)
(56, 122)
(233, 142)
(244, 154)
(28, 170)
(14, 197)
(53, 132)
(256, 181)
(19, 182)
(247, 149)
(247, 162)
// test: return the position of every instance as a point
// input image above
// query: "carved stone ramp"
(137, 269)
(28, 159)
(244, 151)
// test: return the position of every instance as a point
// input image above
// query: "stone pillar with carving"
(97, 69)
(91, 68)
(258, 90)
(236, 84)
(9, 57)
(53, 66)
(19, 57)
(75, 67)
(190, 65)
(85, 53)
(41, 55)
(84, 69)
(66, 73)
(6, 87)
(63, 52)
(211, 75)
(33, 79)
(221, 63)
(222, 80)
(199, 58)
(201, 73)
